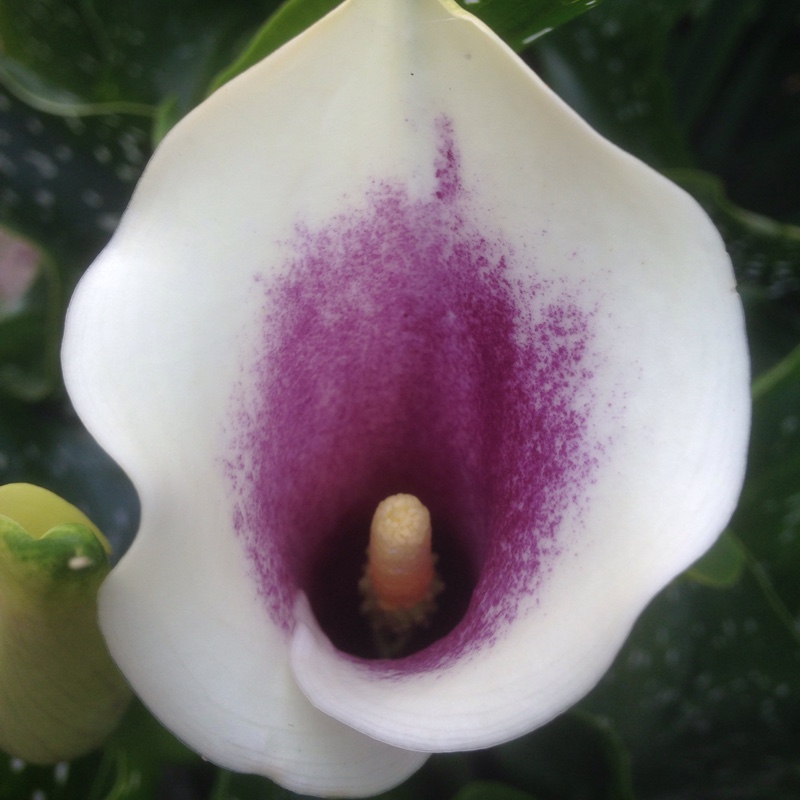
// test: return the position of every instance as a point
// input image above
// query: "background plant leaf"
(736, 69)
(609, 66)
(82, 56)
(722, 565)
(491, 790)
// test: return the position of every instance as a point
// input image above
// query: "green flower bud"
(60, 692)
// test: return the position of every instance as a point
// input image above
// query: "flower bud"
(60, 692)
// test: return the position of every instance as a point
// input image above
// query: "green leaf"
(63, 186)
(66, 181)
(43, 95)
(608, 65)
(575, 755)
(85, 57)
(653, 76)
(735, 68)
(64, 781)
(721, 566)
(440, 777)
(491, 790)
(137, 757)
(140, 761)
(167, 115)
(701, 54)
(291, 19)
(773, 326)
(768, 518)
(766, 260)
(234, 786)
(520, 24)
(705, 695)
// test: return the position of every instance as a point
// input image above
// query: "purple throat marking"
(398, 354)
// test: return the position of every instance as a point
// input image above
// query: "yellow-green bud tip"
(60, 692)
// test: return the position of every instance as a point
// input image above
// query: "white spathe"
(163, 326)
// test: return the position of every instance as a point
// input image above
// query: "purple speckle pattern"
(401, 352)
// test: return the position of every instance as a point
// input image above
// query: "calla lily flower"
(385, 261)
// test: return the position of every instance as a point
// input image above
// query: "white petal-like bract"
(388, 259)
